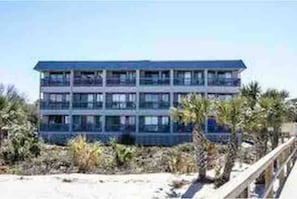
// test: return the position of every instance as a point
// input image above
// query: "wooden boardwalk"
(290, 187)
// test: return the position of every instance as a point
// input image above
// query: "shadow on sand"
(192, 190)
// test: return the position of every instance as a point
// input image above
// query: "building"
(129, 100)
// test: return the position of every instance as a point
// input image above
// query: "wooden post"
(288, 166)
(268, 180)
(246, 193)
(281, 176)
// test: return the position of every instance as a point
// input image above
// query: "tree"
(251, 92)
(280, 113)
(16, 127)
(194, 110)
(230, 113)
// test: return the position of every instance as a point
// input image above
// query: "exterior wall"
(168, 138)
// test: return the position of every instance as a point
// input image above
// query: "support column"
(171, 105)
(171, 77)
(205, 95)
(137, 102)
(70, 100)
(103, 99)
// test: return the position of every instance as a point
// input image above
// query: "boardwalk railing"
(275, 166)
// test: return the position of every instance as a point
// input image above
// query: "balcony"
(54, 127)
(181, 128)
(117, 81)
(87, 105)
(54, 105)
(218, 129)
(120, 105)
(154, 128)
(87, 127)
(87, 82)
(152, 81)
(120, 128)
(224, 82)
(188, 81)
(154, 105)
(55, 82)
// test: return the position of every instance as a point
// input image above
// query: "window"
(67, 119)
(165, 120)
(165, 97)
(181, 96)
(99, 97)
(131, 120)
(151, 98)
(67, 97)
(90, 97)
(151, 120)
(57, 97)
(118, 97)
(90, 119)
(131, 97)
(187, 76)
(122, 120)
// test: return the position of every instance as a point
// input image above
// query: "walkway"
(290, 187)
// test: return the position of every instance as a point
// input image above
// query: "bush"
(122, 154)
(21, 143)
(84, 155)
(178, 162)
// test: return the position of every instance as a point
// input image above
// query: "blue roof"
(132, 65)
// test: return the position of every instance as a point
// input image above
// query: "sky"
(263, 35)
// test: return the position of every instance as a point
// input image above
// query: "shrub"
(21, 143)
(84, 155)
(178, 162)
(122, 154)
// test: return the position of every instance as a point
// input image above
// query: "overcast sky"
(263, 35)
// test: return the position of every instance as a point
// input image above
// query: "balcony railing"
(224, 82)
(55, 82)
(180, 128)
(120, 128)
(87, 82)
(54, 127)
(87, 127)
(87, 105)
(188, 81)
(54, 105)
(120, 105)
(218, 129)
(155, 128)
(116, 81)
(154, 105)
(154, 81)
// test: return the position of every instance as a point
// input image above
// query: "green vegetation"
(18, 140)
(194, 110)
(255, 114)
(122, 154)
(84, 155)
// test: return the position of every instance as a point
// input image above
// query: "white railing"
(276, 165)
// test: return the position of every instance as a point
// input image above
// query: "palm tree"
(12, 110)
(251, 92)
(194, 110)
(230, 113)
(280, 114)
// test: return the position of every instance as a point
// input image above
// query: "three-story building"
(129, 100)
